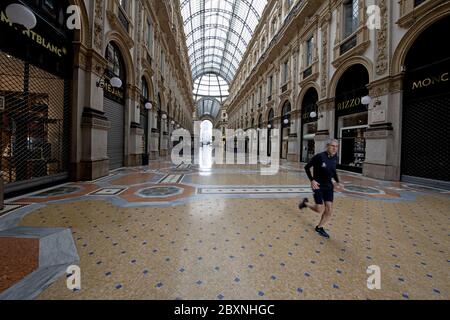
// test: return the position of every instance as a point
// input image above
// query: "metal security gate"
(426, 130)
(144, 124)
(114, 111)
(34, 126)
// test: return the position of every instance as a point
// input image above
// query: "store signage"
(430, 81)
(349, 104)
(36, 38)
(111, 92)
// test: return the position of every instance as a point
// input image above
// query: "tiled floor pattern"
(228, 232)
(255, 249)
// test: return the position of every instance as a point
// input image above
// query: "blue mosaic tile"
(119, 286)
(260, 293)
(220, 297)
(299, 290)
(159, 285)
(237, 280)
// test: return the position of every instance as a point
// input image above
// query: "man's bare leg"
(327, 214)
(318, 208)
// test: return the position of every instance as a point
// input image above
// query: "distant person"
(324, 165)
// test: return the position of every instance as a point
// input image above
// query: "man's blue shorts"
(322, 195)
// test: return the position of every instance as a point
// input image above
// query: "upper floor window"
(285, 72)
(144, 90)
(149, 31)
(269, 86)
(124, 5)
(309, 51)
(115, 61)
(162, 62)
(274, 26)
(351, 17)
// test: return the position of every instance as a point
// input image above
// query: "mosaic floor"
(228, 232)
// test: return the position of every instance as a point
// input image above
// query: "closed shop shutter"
(34, 125)
(115, 114)
(426, 130)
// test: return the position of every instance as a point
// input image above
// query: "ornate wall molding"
(382, 40)
(98, 24)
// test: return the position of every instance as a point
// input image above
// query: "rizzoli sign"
(348, 104)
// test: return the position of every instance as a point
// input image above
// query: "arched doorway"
(309, 124)
(114, 106)
(285, 129)
(351, 117)
(35, 98)
(144, 118)
(270, 117)
(425, 112)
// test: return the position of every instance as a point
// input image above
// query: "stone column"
(383, 135)
(325, 124)
(89, 159)
(293, 147)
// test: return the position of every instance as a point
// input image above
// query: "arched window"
(145, 90)
(286, 109)
(115, 62)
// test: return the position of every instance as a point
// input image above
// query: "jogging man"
(324, 165)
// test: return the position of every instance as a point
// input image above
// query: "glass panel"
(217, 36)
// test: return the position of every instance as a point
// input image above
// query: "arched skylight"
(212, 86)
(217, 34)
(208, 106)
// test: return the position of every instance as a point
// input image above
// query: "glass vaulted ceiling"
(217, 34)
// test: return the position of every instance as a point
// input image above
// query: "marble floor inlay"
(183, 232)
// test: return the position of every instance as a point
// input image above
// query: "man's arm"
(308, 168)
(335, 176)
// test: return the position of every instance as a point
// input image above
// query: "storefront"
(269, 132)
(114, 106)
(35, 86)
(309, 124)
(144, 118)
(352, 118)
(425, 112)
(285, 129)
(260, 126)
